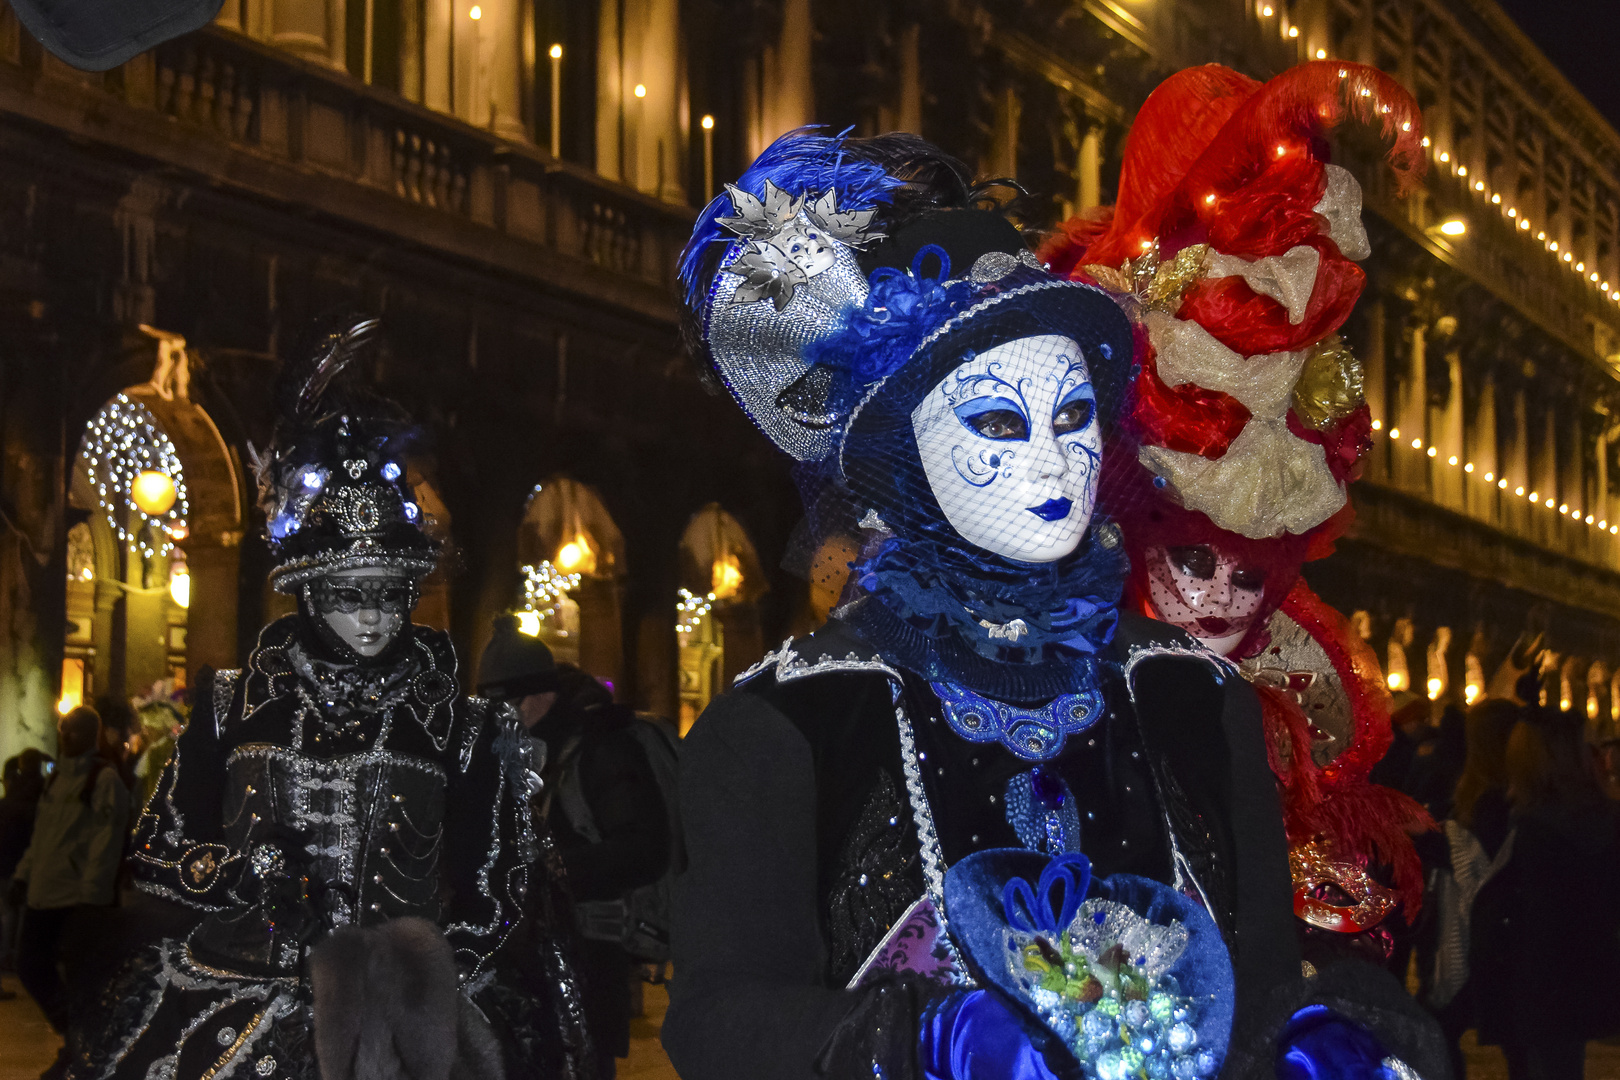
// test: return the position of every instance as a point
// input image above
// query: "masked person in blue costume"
(352, 830)
(982, 823)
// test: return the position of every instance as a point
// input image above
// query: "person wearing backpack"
(607, 811)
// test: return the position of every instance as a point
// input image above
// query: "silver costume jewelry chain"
(933, 859)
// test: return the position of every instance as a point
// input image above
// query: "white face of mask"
(1012, 448)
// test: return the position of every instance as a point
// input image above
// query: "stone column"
(1448, 438)
(610, 93)
(1375, 388)
(1481, 485)
(653, 119)
(909, 116)
(1088, 179)
(1411, 467)
(791, 95)
(438, 54)
(211, 618)
(502, 34)
(1002, 160)
(305, 28)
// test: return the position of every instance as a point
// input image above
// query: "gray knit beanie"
(515, 665)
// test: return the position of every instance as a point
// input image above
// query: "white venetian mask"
(1206, 592)
(1012, 448)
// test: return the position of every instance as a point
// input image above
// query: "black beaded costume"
(318, 790)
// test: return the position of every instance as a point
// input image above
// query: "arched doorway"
(152, 567)
(717, 627)
(571, 555)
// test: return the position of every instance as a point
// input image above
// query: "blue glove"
(1320, 1044)
(977, 1036)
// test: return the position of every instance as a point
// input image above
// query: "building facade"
(507, 184)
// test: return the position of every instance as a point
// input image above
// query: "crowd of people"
(1519, 935)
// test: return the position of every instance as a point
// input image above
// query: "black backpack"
(640, 921)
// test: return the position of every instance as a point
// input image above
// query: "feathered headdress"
(332, 486)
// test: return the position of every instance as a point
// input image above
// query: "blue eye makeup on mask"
(994, 418)
(1076, 411)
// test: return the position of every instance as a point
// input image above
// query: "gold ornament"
(1153, 284)
(1330, 384)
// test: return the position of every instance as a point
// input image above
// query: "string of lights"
(691, 610)
(1535, 497)
(543, 586)
(130, 460)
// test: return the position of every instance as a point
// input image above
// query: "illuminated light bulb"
(1564, 704)
(1281, 150)
(1568, 256)
(1468, 468)
(1614, 530)
(708, 123)
(180, 587)
(1293, 31)
(1593, 276)
(1366, 92)
(1471, 693)
(1589, 519)
(1513, 211)
(556, 52)
(1553, 246)
(1417, 444)
(1395, 681)
(1426, 141)
(1378, 425)
(640, 90)
(1524, 223)
(1432, 451)
(1548, 504)
(1540, 235)
(1517, 491)
(1563, 508)
(1444, 157)
(1603, 524)
(1502, 484)
(1147, 244)
(1435, 686)
(570, 556)
(1266, 11)
(1490, 477)
(1343, 72)
(1462, 170)
(1496, 199)
(476, 13)
(1406, 125)
(1321, 54)
(529, 623)
(1210, 198)
(1479, 185)
(1453, 227)
(1395, 433)
(1452, 460)
(153, 492)
(1580, 268)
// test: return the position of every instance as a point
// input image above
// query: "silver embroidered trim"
(933, 860)
(790, 665)
(224, 689)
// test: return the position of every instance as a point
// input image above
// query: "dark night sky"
(1582, 37)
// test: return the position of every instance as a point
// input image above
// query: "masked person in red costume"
(1234, 243)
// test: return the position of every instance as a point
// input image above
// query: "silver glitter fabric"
(759, 349)
(1296, 664)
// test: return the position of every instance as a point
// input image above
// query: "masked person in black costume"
(353, 829)
(983, 823)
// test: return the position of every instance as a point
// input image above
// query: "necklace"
(1032, 733)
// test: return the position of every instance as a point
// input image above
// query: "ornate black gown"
(394, 795)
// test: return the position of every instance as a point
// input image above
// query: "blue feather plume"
(799, 162)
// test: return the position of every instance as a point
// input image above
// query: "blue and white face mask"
(1012, 448)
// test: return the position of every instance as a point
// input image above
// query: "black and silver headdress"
(333, 486)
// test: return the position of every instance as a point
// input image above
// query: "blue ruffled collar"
(1013, 631)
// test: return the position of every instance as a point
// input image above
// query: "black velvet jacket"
(803, 852)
